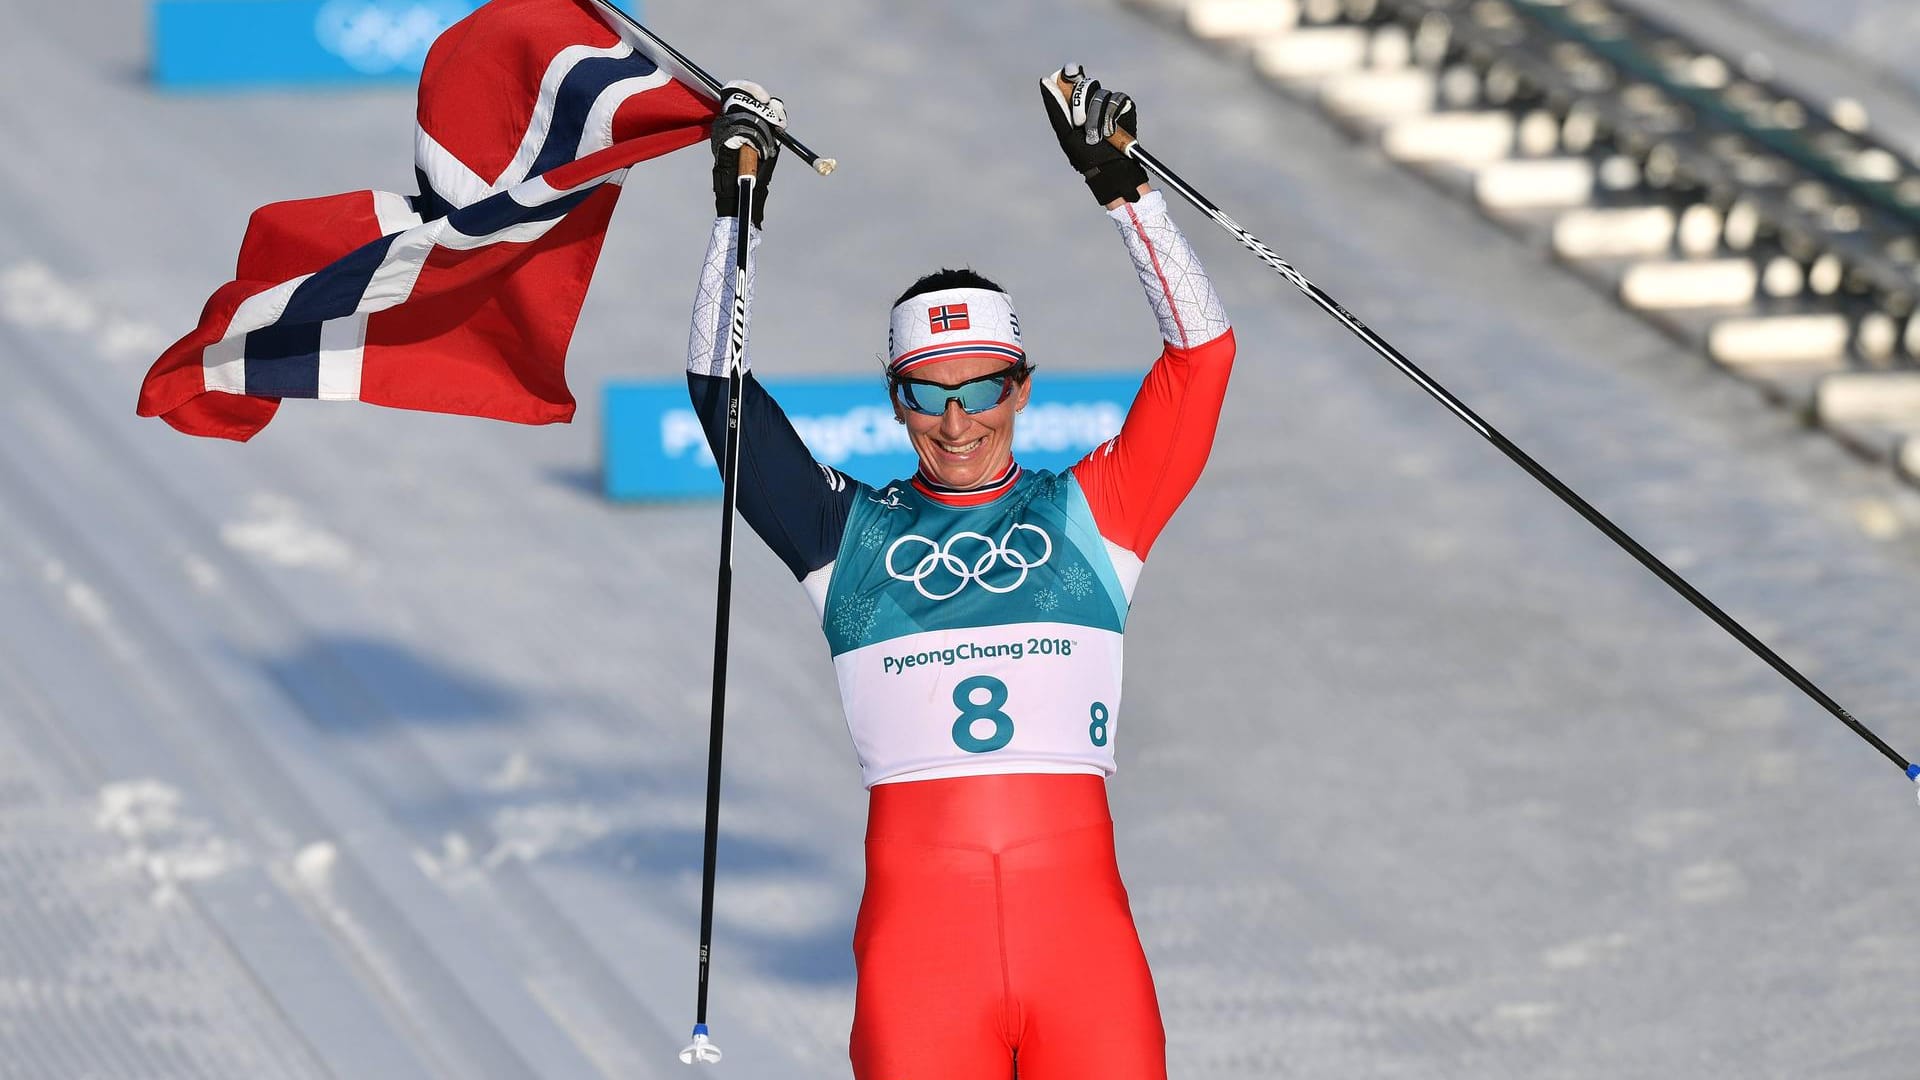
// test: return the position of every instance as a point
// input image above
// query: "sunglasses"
(974, 395)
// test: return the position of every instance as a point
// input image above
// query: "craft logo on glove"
(1078, 103)
(948, 317)
(773, 112)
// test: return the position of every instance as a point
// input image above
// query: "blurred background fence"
(1773, 227)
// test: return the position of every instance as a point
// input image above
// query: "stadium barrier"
(1758, 217)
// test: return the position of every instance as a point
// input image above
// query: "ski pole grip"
(1120, 140)
(749, 161)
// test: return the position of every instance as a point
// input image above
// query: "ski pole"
(1130, 146)
(701, 1050)
(822, 165)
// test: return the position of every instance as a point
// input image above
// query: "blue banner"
(202, 44)
(655, 448)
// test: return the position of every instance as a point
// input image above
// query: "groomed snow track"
(374, 748)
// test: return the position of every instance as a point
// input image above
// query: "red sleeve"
(1137, 479)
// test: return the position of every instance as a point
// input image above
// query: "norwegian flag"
(461, 299)
(948, 317)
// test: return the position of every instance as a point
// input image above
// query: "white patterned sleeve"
(1177, 286)
(713, 304)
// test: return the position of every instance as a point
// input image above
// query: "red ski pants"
(995, 936)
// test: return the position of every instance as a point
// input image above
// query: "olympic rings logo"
(376, 37)
(945, 559)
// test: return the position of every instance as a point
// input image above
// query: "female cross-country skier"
(974, 612)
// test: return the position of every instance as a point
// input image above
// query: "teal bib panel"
(908, 564)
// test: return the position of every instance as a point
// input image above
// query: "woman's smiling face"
(957, 448)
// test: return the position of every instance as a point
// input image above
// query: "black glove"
(1082, 121)
(748, 117)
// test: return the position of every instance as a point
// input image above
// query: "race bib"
(1024, 697)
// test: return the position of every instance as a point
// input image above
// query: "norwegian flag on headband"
(948, 317)
(461, 299)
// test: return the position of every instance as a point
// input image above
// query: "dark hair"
(946, 279)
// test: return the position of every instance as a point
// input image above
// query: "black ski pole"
(1132, 148)
(657, 48)
(701, 1050)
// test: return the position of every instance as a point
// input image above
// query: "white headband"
(951, 324)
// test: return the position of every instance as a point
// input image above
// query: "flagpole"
(822, 165)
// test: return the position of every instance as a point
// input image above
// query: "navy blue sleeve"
(797, 505)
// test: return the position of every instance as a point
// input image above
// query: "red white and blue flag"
(461, 299)
(948, 317)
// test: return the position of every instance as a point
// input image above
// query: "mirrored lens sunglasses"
(974, 395)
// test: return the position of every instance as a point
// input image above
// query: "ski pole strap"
(1120, 140)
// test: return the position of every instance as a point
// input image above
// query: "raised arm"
(1135, 481)
(798, 506)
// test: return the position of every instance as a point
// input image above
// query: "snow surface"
(1427, 778)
